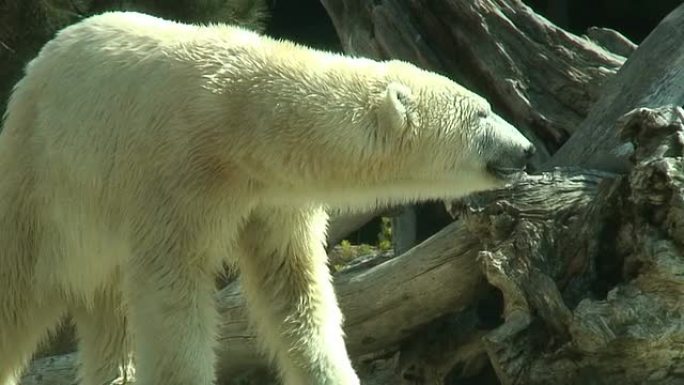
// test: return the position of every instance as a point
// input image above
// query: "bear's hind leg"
(103, 342)
(291, 298)
(23, 325)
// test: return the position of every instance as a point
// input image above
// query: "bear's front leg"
(103, 340)
(290, 295)
(172, 318)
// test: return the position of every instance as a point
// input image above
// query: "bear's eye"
(482, 113)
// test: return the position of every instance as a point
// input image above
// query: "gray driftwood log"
(597, 297)
(653, 76)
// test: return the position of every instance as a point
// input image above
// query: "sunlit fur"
(138, 154)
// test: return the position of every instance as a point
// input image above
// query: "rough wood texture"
(652, 77)
(551, 204)
(404, 229)
(593, 290)
(539, 76)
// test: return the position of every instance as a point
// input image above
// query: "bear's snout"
(513, 160)
(508, 151)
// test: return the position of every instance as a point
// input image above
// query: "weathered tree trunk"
(404, 230)
(652, 77)
(597, 296)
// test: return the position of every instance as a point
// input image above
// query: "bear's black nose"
(511, 162)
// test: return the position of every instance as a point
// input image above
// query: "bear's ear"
(397, 108)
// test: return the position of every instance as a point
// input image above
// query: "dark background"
(306, 21)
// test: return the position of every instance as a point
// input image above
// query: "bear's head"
(444, 135)
(388, 133)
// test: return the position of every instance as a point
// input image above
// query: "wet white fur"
(139, 154)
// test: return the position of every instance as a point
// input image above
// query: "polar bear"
(139, 154)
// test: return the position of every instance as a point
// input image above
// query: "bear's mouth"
(506, 173)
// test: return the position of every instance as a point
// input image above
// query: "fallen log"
(598, 300)
(652, 77)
